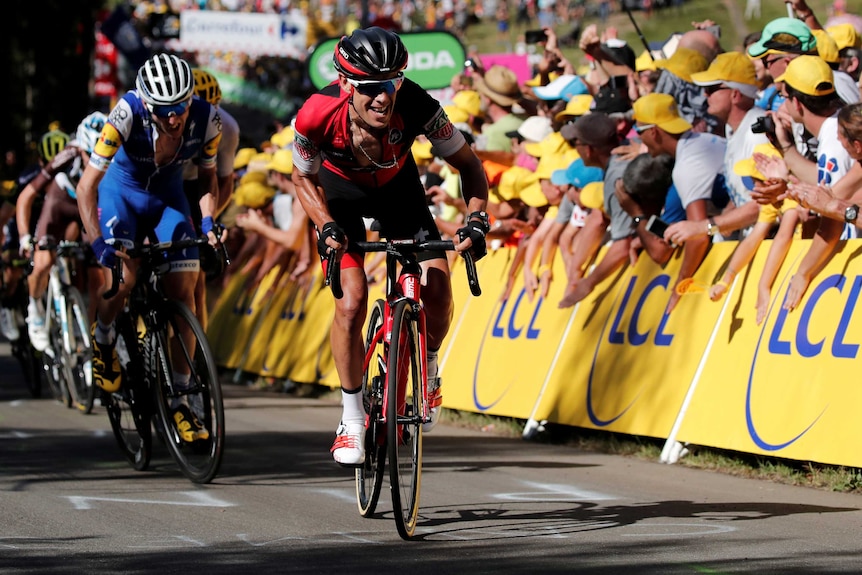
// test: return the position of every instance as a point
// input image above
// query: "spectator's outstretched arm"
(805, 13)
(693, 252)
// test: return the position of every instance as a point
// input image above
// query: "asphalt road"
(70, 504)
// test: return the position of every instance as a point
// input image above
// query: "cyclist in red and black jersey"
(353, 160)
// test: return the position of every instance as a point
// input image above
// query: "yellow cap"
(827, 47)
(593, 195)
(469, 101)
(422, 152)
(282, 162)
(683, 63)
(247, 177)
(243, 155)
(645, 62)
(283, 137)
(253, 195)
(259, 161)
(810, 75)
(456, 115)
(577, 106)
(514, 180)
(734, 69)
(549, 163)
(845, 36)
(660, 110)
(537, 79)
(553, 143)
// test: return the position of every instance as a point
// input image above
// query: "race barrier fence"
(706, 374)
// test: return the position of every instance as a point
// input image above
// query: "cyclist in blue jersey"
(132, 189)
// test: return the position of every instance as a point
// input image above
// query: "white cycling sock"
(35, 307)
(104, 333)
(181, 381)
(352, 409)
(432, 364)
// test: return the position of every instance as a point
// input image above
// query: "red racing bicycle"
(394, 383)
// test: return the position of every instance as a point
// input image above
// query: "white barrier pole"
(672, 450)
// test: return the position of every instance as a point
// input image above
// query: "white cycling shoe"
(349, 446)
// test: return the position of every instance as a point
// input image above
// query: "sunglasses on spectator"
(171, 110)
(374, 87)
(710, 90)
(643, 128)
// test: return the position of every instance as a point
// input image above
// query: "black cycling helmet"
(370, 53)
(52, 143)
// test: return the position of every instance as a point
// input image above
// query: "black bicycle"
(28, 358)
(150, 349)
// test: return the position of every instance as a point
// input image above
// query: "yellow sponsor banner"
(625, 364)
(226, 314)
(263, 337)
(251, 309)
(786, 388)
(286, 315)
(309, 353)
(498, 358)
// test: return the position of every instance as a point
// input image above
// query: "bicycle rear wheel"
(53, 356)
(199, 460)
(79, 367)
(404, 418)
(369, 477)
(130, 408)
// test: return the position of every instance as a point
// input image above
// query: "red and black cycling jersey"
(322, 134)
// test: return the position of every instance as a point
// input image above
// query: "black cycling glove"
(330, 230)
(476, 228)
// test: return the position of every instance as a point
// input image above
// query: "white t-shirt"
(282, 211)
(699, 161)
(740, 146)
(833, 161)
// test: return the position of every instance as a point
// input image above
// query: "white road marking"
(703, 529)
(15, 435)
(342, 494)
(554, 492)
(193, 499)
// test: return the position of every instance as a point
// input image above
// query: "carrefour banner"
(251, 33)
(788, 387)
(434, 58)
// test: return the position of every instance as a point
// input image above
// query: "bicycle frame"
(58, 277)
(403, 285)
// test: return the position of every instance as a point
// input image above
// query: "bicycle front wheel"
(369, 477)
(130, 408)
(404, 418)
(80, 351)
(199, 459)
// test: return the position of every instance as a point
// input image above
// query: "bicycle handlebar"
(399, 247)
(147, 250)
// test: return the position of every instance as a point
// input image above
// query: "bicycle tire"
(198, 460)
(79, 365)
(404, 418)
(369, 477)
(52, 357)
(129, 409)
(30, 361)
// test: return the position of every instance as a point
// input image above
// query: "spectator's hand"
(252, 220)
(589, 39)
(610, 33)
(576, 292)
(770, 166)
(703, 24)
(680, 232)
(635, 247)
(783, 128)
(795, 291)
(545, 278)
(531, 282)
(300, 270)
(552, 43)
(768, 192)
(811, 196)
(630, 151)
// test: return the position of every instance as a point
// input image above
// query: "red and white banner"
(105, 77)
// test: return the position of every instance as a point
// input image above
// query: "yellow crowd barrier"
(705, 374)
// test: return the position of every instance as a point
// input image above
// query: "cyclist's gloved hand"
(330, 230)
(105, 253)
(25, 245)
(476, 228)
(207, 225)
